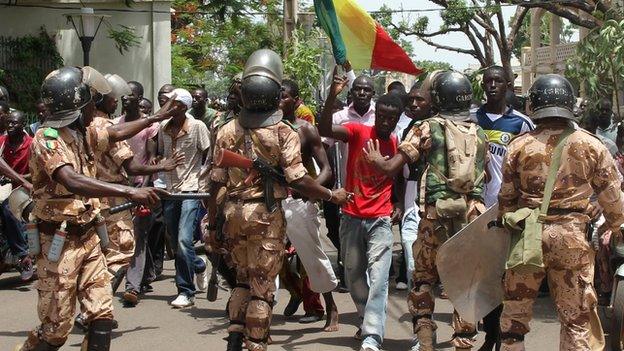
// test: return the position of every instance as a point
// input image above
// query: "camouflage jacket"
(586, 168)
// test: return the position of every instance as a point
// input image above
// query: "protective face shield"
(451, 95)
(67, 90)
(552, 96)
(261, 90)
(119, 87)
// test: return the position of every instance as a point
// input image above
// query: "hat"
(182, 95)
(119, 87)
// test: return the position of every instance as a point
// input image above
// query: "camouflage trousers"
(121, 240)
(432, 233)
(569, 268)
(256, 239)
(79, 274)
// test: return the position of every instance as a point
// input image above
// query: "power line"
(199, 12)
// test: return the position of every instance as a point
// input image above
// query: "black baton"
(172, 197)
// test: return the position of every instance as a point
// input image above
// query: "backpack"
(461, 146)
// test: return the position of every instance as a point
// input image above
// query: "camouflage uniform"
(254, 235)
(81, 270)
(586, 167)
(427, 139)
(119, 225)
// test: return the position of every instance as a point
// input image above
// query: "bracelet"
(331, 195)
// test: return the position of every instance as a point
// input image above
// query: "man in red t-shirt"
(15, 146)
(365, 228)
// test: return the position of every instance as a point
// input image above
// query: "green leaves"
(124, 38)
(302, 63)
(599, 62)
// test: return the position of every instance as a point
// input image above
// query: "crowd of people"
(114, 195)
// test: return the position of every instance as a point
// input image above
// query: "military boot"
(235, 341)
(41, 346)
(99, 336)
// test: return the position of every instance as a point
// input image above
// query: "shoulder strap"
(554, 168)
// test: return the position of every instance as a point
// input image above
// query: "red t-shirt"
(372, 188)
(18, 157)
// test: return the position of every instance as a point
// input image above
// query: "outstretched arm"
(127, 130)
(388, 166)
(90, 187)
(325, 176)
(165, 165)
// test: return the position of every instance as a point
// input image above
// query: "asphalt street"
(154, 325)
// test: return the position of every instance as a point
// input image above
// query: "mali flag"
(356, 36)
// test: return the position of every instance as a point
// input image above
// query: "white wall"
(148, 63)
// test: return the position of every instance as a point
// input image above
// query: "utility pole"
(291, 9)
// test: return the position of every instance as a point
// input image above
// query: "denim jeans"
(135, 276)
(181, 221)
(409, 233)
(14, 231)
(367, 255)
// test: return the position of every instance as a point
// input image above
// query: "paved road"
(153, 325)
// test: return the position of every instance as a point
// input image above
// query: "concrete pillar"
(161, 47)
(536, 18)
(291, 8)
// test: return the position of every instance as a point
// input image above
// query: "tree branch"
(516, 24)
(449, 48)
(478, 52)
(426, 35)
(561, 11)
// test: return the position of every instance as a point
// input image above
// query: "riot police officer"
(586, 167)
(254, 220)
(71, 264)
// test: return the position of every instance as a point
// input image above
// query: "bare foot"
(331, 325)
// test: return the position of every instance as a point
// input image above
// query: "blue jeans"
(181, 221)
(14, 231)
(366, 245)
(409, 233)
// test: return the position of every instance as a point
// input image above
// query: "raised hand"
(167, 111)
(338, 84)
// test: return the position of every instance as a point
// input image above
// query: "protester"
(606, 123)
(4, 114)
(566, 252)
(361, 110)
(42, 113)
(365, 228)
(15, 146)
(200, 109)
(501, 124)
(189, 136)
(302, 222)
(452, 198)
(145, 106)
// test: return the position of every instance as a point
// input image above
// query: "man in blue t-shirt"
(501, 123)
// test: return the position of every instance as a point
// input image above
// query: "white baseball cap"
(182, 95)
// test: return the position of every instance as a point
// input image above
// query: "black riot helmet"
(552, 95)
(261, 89)
(67, 90)
(451, 95)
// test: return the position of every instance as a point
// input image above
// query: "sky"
(424, 51)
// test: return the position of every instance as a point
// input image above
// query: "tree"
(481, 21)
(599, 61)
(589, 14)
(302, 63)
(211, 41)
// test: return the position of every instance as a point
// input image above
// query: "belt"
(49, 228)
(563, 211)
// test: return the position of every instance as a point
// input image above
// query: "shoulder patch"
(52, 144)
(51, 133)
